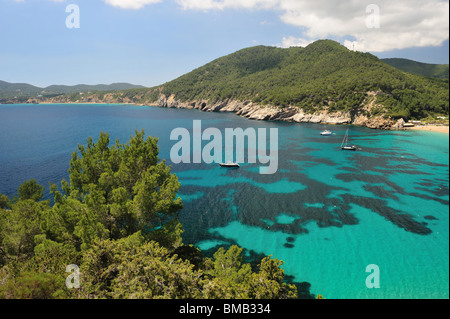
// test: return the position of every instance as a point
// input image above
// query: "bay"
(326, 213)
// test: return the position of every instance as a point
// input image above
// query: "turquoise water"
(326, 213)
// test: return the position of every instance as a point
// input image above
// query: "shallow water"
(326, 213)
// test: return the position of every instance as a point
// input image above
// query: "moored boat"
(326, 133)
(229, 164)
(345, 146)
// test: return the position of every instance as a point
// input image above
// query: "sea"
(365, 224)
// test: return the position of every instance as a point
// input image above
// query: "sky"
(150, 42)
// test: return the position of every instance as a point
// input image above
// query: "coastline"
(431, 128)
(267, 113)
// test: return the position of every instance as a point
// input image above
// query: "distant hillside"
(323, 76)
(440, 71)
(9, 90)
(18, 89)
(64, 89)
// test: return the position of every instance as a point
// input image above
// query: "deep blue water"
(326, 213)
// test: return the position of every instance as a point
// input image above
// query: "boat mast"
(345, 140)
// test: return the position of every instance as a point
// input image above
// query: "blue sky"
(150, 42)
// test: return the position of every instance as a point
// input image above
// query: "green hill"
(64, 89)
(440, 71)
(10, 90)
(18, 89)
(323, 76)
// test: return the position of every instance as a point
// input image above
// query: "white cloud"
(227, 4)
(403, 23)
(292, 41)
(131, 4)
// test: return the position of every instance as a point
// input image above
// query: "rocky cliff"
(253, 111)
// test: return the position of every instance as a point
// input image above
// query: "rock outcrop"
(289, 114)
(400, 125)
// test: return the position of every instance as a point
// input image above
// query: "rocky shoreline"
(250, 110)
(289, 114)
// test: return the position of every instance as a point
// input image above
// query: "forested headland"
(324, 79)
(323, 76)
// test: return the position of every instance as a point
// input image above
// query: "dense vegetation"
(324, 75)
(117, 220)
(439, 71)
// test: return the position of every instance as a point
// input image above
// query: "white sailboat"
(345, 146)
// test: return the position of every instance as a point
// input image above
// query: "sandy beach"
(432, 128)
